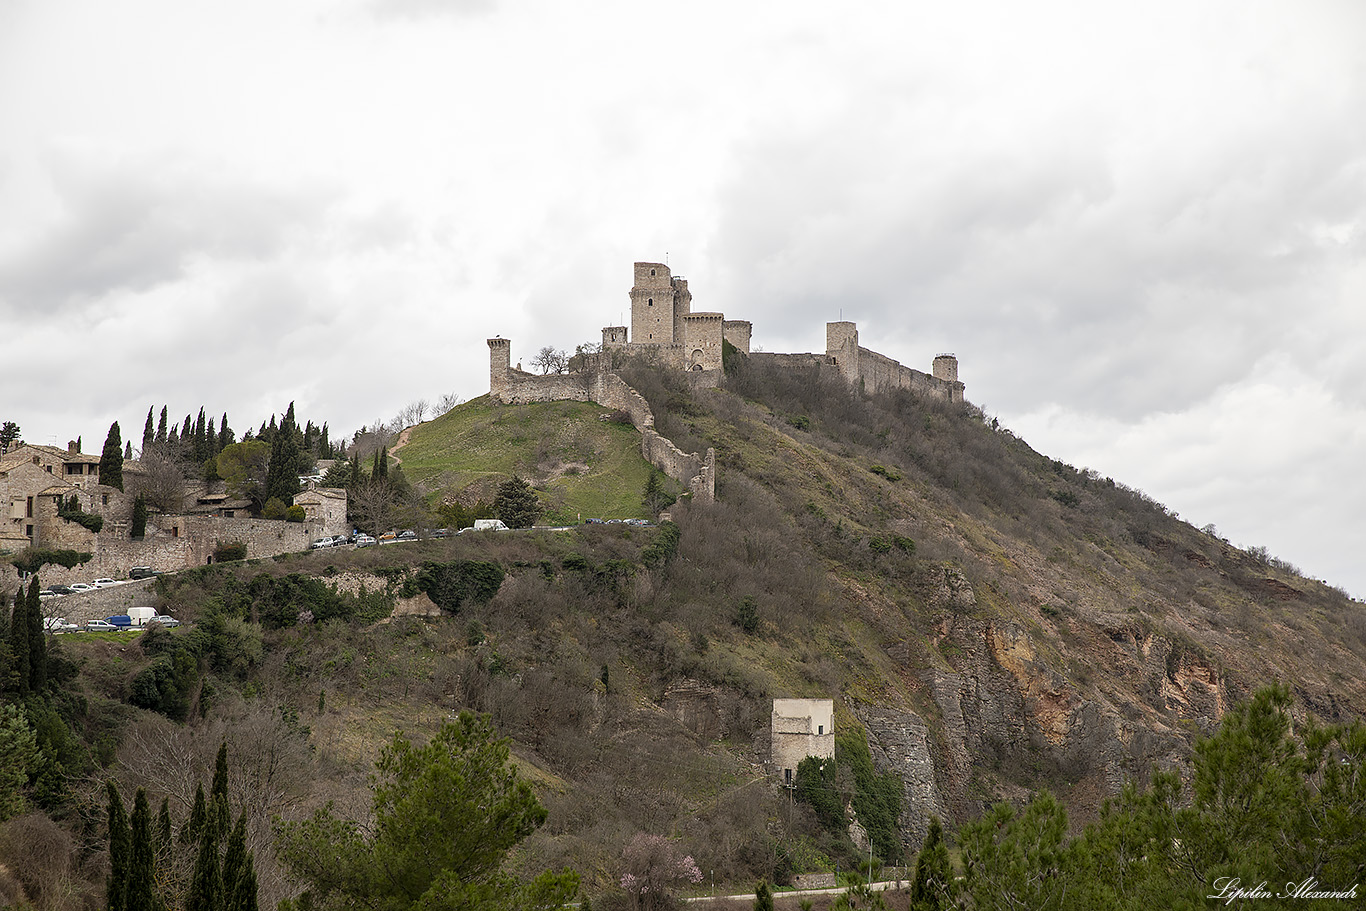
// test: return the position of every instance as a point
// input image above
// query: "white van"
(489, 525)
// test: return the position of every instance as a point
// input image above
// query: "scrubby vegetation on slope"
(1040, 625)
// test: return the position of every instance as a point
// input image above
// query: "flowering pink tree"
(654, 867)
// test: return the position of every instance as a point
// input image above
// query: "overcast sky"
(1138, 225)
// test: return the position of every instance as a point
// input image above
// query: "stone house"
(801, 728)
(31, 478)
(324, 510)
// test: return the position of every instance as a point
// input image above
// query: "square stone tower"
(801, 728)
(659, 302)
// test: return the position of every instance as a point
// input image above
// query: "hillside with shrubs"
(1009, 641)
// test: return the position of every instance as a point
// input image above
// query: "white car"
(81, 587)
(100, 626)
(103, 583)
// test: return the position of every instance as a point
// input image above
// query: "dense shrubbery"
(30, 561)
(450, 585)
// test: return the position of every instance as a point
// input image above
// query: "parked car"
(58, 625)
(321, 543)
(364, 541)
(164, 620)
(407, 536)
(120, 621)
(81, 587)
(47, 593)
(100, 626)
(103, 583)
(387, 537)
(141, 572)
(441, 532)
(60, 589)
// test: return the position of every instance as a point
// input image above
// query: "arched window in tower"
(652, 273)
(650, 302)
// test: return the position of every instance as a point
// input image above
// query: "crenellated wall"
(596, 383)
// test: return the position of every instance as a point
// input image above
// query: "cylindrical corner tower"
(946, 368)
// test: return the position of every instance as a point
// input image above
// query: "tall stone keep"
(841, 347)
(801, 728)
(500, 361)
(946, 368)
(659, 302)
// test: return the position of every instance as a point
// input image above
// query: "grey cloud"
(411, 10)
(1115, 291)
(136, 227)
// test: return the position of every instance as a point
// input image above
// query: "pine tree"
(763, 897)
(516, 503)
(111, 459)
(931, 890)
(120, 851)
(141, 866)
(37, 642)
(149, 433)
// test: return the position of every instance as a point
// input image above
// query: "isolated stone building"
(801, 728)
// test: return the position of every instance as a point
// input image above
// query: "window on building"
(787, 777)
(106, 499)
(820, 729)
(28, 530)
(28, 514)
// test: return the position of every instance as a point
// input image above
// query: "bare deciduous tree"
(550, 360)
(160, 477)
(447, 402)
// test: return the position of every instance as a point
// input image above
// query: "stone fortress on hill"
(664, 327)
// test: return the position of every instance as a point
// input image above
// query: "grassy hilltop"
(989, 621)
(582, 465)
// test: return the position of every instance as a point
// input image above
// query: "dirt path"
(399, 444)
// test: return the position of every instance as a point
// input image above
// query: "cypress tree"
(37, 642)
(282, 473)
(218, 794)
(211, 441)
(5, 658)
(383, 463)
(149, 433)
(120, 850)
(235, 860)
(141, 866)
(201, 448)
(244, 895)
(161, 427)
(198, 816)
(163, 835)
(18, 645)
(128, 450)
(224, 433)
(138, 526)
(111, 459)
(206, 884)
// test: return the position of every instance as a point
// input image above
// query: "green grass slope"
(580, 464)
